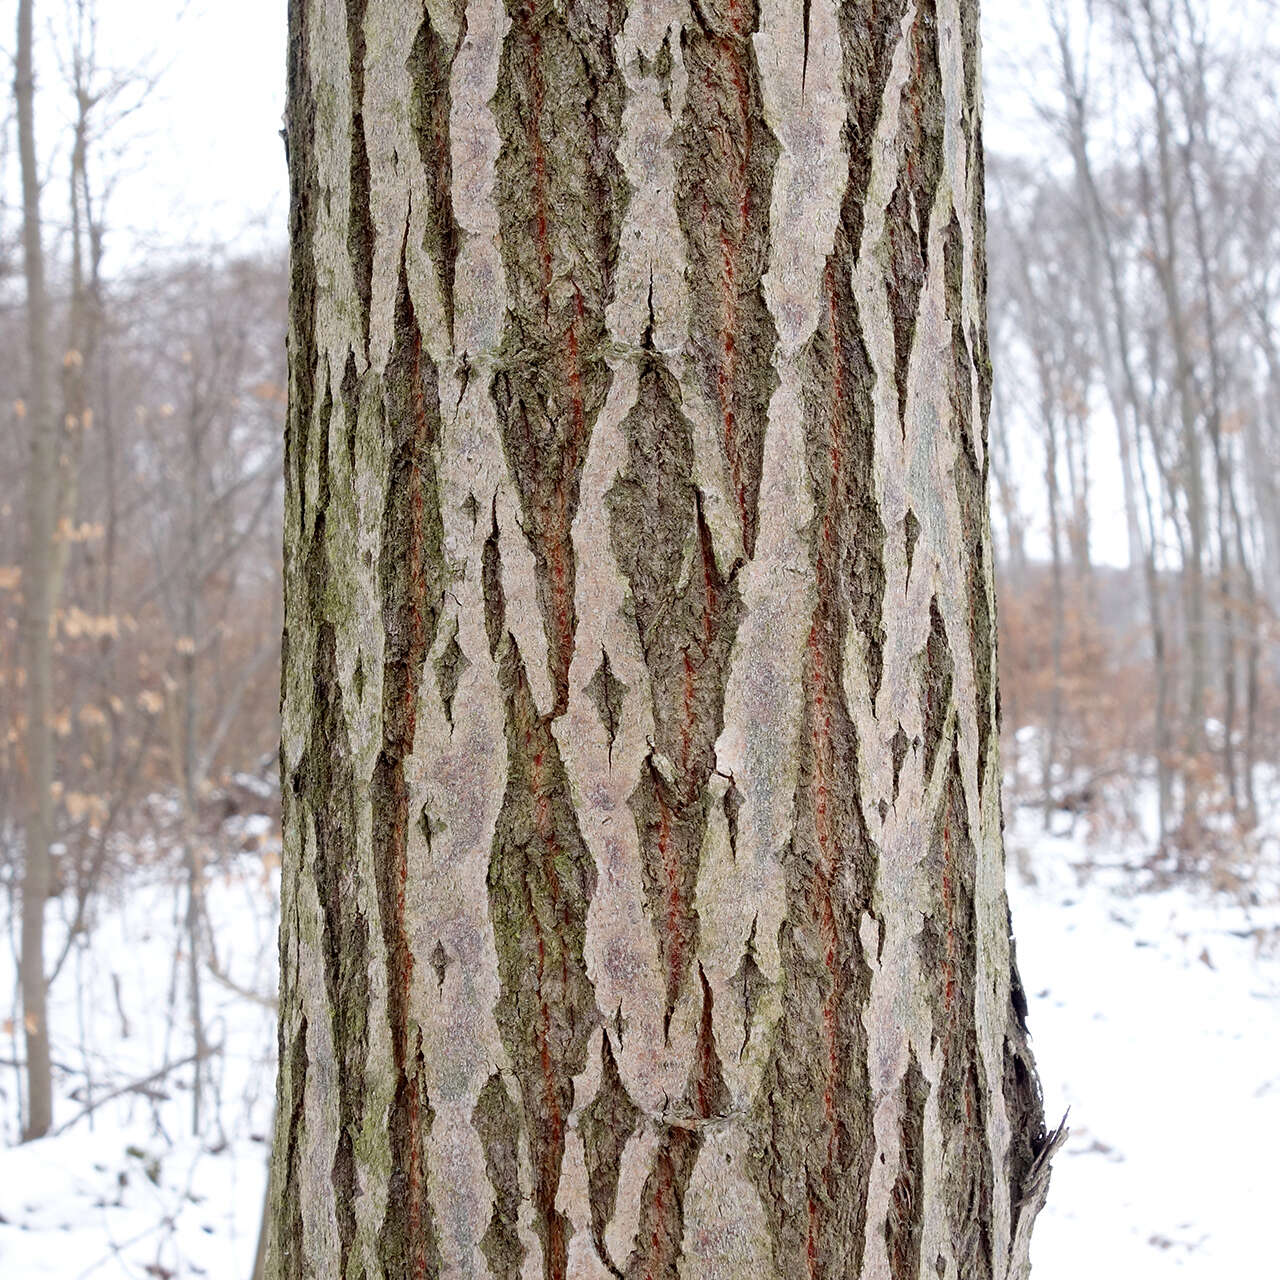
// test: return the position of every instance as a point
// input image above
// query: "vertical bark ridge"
(868, 42)
(903, 1227)
(828, 865)
(291, 1232)
(327, 771)
(949, 951)
(300, 148)
(541, 878)
(609, 738)
(288, 1234)
(819, 1049)
(724, 175)
(660, 1237)
(497, 1120)
(360, 231)
(288, 1228)
(931, 401)
(606, 1126)
(559, 191)
(457, 775)
(558, 194)
(364, 587)
(971, 482)
(411, 588)
(686, 615)
(430, 62)
(326, 778)
(921, 138)
(899, 307)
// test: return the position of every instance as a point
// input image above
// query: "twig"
(135, 1086)
(215, 971)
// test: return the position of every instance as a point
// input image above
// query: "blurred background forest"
(1134, 246)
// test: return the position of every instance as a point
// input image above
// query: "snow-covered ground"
(1155, 1014)
(1155, 1017)
(128, 1191)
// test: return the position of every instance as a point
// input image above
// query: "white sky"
(213, 158)
(201, 160)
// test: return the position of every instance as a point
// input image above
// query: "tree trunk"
(643, 908)
(38, 575)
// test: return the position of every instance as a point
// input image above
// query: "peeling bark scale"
(643, 909)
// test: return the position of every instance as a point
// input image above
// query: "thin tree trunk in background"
(1125, 399)
(38, 596)
(1051, 404)
(1193, 108)
(84, 309)
(186, 752)
(1251, 607)
(1165, 260)
(260, 1256)
(1056, 606)
(643, 907)
(1159, 653)
(1115, 362)
(1002, 469)
(1266, 490)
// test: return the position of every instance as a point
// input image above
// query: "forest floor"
(1154, 1009)
(127, 1190)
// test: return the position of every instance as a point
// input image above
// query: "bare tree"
(39, 596)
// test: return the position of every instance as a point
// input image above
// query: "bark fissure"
(411, 590)
(430, 62)
(949, 952)
(913, 198)
(360, 233)
(327, 772)
(660, 1238)
(606, 1127)
(291, 1232)
(541, 878)
(686, 616)
(904, 1224)
(606, 692)
(497, 1121)
(820, 1052)
(727, 155)
(559, 191)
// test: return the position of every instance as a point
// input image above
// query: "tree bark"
(643, 908)
(38, 592)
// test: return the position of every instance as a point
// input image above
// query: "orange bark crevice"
(660, 1236)
(724, 178)
(559, 194)
(686, 617)
(410, 572)
(818, 1062)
